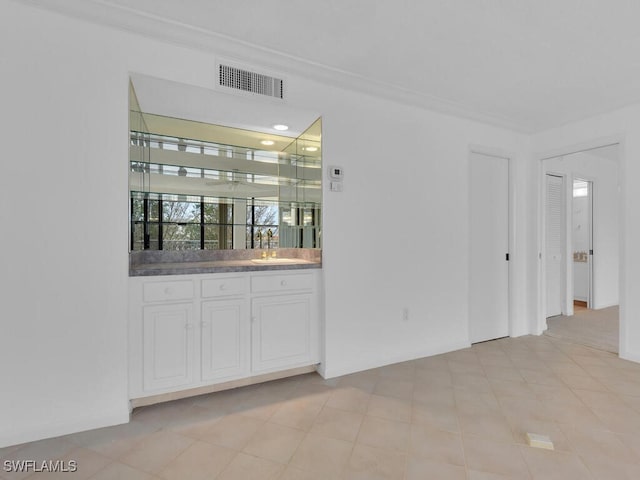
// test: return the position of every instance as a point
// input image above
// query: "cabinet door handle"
(168, 291)
(283, 283)
(188, 326)
(204, 324)
(223, 286)
(253, 319)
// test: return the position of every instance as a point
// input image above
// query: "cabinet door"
(225, 338)
(281, 332)
(168, 341)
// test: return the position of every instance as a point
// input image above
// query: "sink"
(275, 261)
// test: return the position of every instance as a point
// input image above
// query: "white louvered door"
(554, 243)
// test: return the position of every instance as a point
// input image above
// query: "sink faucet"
(259, 237)
(269, 236)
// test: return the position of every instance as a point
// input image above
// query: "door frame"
(540, 324)
(511, 228)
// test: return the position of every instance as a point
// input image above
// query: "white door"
(554, 244)
(489, 233)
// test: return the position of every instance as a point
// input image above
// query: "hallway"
(593, 328)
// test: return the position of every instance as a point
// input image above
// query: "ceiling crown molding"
(104, 13)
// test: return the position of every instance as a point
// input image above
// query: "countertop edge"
(159, 269)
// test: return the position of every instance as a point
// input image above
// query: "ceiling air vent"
(247, 81)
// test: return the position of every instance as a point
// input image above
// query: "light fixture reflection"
(267, 142)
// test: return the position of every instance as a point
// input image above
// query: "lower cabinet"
(168, 345)
(193, 331)
(280, 332)
(224, 330)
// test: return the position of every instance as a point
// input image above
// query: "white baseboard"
(56, 429)
(361, 365)
(631, 355)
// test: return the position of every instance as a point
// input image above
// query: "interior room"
(364, 297)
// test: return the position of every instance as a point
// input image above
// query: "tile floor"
(461, 415)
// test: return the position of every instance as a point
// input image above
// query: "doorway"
(580, 247)
(489, 247)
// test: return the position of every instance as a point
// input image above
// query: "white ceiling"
(526, 64)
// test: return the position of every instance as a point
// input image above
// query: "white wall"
(604, 173)
(397, 236)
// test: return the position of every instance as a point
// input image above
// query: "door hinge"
(591, 252)
(506, 257)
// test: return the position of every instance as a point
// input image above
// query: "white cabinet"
(224, 346)
(281, 332)
(168, 345)
(191, 331)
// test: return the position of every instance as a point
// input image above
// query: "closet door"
(554, 243)
(489, 231)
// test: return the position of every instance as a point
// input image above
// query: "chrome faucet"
(269, 237)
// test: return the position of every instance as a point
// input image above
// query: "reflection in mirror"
(196, 186)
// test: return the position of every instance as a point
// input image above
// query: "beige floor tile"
(491, 427)
(244, 467)
(156, 451)
(274, 442)
(436, 362)
(119, 471)
(162, 414)
(432, 377)
(294, 473)
(471, 381)
(437, 445)
(311, 393)
(391, 387)
(42, 450)
(494, 357)
(114, 442)
(476, 403)
(587, 442)
(298, 413)
(541, 376)
(524, 407)
(398, 371)
(86, 461)
(232, 431)
(477, 475)
(382, 433)
(582, 382)
(553, 465)
(370, 463)
(494, 457)
(499, 372)
(322, 455)
(468, 368)
(349, 399)
(365, 381)
(201, 461)
(603, 467)
(339, 424)
(419, 468)
(389, 408)
(504, 388)
(432, 394)
(440, 417)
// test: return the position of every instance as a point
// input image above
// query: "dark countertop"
(217, 266)
(151, 263)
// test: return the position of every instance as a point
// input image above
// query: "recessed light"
(281, 127)
(267, 142)
(311, 149)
